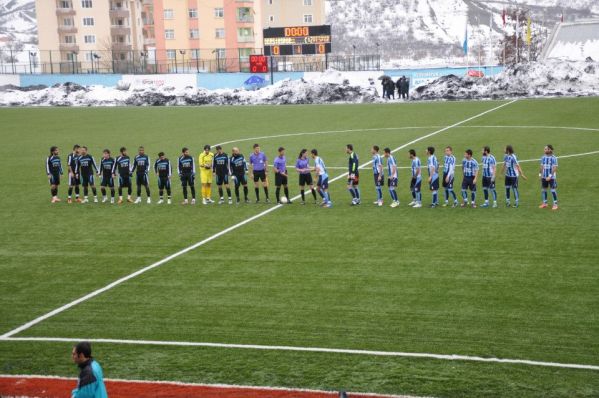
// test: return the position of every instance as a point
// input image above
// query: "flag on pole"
(528, 31)
(503, 17)
(465, 44)
(562, 18)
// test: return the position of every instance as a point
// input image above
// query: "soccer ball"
(284, 200)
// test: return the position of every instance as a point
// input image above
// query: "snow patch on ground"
(550, 78)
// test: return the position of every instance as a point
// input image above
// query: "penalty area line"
(423, 355)
(217, 235)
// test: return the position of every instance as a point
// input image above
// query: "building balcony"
(121, 46)
(119, 13)
(246, 19)
(149, 41)
(148, 2)
(61, 12)
(69, 47)
(67, 29)
(120, 30)
(245, 39)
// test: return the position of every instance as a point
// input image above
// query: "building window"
(308, 18)
(168, 13)
(68, 22)
(171, 54)
(193, 13)
(71, 56)
(219, 12)
(86, 3)
(270, 2)
(244, 54)
(69, 39)
(245, 35)
(244, 14)
(220, 33)
(88, 21)
(271, 18)
(65, 4)
(169, 34)
(195, 54)
(220, 53)
(89, 39)
(194, 34)
(307, 2)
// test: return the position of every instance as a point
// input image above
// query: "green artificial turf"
(509, 283)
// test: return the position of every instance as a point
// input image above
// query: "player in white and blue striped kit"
(548, 174)
(448, 176)
(512, 170)
(433, 175)
(323, 179)
(470, 170)
(489, 174)
(391, 177)
(379, 174)
(416, 183)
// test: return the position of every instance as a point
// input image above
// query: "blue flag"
(465, 44)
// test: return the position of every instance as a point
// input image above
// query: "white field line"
(448, 357)
(215, 236)
(216, 386)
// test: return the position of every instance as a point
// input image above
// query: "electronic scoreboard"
(297, 40)
(258, 64)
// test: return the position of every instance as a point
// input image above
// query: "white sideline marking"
(232, 386)
(215, 236)
(449, 357)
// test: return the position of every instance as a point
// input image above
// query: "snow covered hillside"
(17, 21)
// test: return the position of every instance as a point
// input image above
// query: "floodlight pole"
(272, 73)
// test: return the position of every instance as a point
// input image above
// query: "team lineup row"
(82, 168)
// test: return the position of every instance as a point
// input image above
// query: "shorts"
(206, 176)
(54, 179)
(449, 183)
(415, 184)
(354, 181)
(323, 182)
(468, 183)
(87, 180)
(222, 179)
(392, 182)
(125, 181)
(552, 184)
(488, 183)
(434, 185)
(511, 182)
(240, 179)
(187, 180)
(280, 179)
(305, 179)
(260, 175)
(164, 183)
(141, 179)
(107, 181)
(74, 181)
(377, 182)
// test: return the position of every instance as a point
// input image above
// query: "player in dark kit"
(141, 167)
(220, 167)
(54, 171)
(123, 166)
(107, 173)
(87, 168)
(74, 182)
(162, 168)
(239, 168)
(353, 175)
(186, 168)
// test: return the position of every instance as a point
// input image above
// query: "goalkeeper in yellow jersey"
(206, 161)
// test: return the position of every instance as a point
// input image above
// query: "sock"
(455, 197)
(320, 192)
(393, 194)
(129, 190)
(446, 195)
(161, 193)
(237, 192)
(121, 192)
(464, 195)
(185, 192)
(257, 190)
(473, 195)
(229, 192)
(70, 191)
(103, 191)
(313, 193)
(544, 195)
(94, 191)
(507, 194)
(414, 195)
(193, 191)
(435, 197)
(77, 191)
(554, 194)
(357, 192)
(516, 195)
(138, 190)
(168, 192)
(245, 192)
(494, 191)
(286, 190)
(327, 198)
(220, 192)
(208, 191)
(266, 192)
(486, 193)
(85, 191)
(148, 191)
(379, 193)
(352, 192)
(303, 195)
(419, 197)
(277, 192)
(112, 193)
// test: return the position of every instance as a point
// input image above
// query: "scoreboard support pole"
(272, 74)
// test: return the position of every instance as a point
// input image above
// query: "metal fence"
(173, 61)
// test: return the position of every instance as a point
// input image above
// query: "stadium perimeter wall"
(213, 81)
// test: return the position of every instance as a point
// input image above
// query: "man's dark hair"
(387, 150)
(487, 149)
(256, 146)
(550, 147)
(412, 152)
(509, 149)
(350, 147)
(431, 149)
(302, 153)
(281, 149)
(218, 147)
(52, 149)
(376, 148)
(123, 149)
(160, 154)
(141, 147)
(184, 149)
(449, 147)
(76, 146)
(314, 152)
(206, 147)
(469, 152)
(106, 151)
(84, 147)
(84, 348)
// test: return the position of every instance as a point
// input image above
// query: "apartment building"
(278, 13)
(82, 36)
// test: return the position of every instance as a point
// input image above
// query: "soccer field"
(364, 285)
